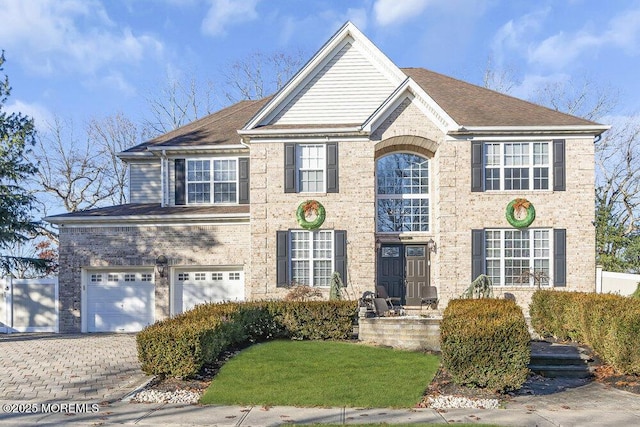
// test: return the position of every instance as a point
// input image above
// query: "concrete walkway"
(52, 367)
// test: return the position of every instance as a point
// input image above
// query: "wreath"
(520, 213)
(310, 208)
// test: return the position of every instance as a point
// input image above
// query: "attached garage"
(118, 301)
(198, 286)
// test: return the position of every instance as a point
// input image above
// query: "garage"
(118, 301)
(198, 286)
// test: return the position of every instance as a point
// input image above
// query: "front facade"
(412, 171)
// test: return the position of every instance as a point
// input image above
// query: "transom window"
(518, 257)
(402, 193)
(311, 163)
(516, 166)
(212, 181)
(311, 257)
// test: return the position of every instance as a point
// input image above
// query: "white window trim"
(405, 196)
(299, 168)
(311, 258)
(531, 258)
(212, 182)
(501, 167)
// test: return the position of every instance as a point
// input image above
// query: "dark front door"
(404, 271)
(391, 270)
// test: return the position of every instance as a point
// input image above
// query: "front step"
(553, 360)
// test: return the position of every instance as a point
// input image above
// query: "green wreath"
(307, 207)
(514, 206)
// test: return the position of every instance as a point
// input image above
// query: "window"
(311, 162)
(183, 277)
(402, 193)
(147, 277)
(311, 257)
(234, 276)
(211, 181)
(516, 166)
(518, 257)
(130, 277)
(95, 278)
(200, 276)
(113, 277)
(216, 276)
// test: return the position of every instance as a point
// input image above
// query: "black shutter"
(289, 168)
(282, 258)
(181, 194)
(477, 253)
(476, 166)
(243, 180)
(559, 170)
(332, 167)
(560, 257)
(340, 254)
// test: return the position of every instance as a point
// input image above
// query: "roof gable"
(344, 83)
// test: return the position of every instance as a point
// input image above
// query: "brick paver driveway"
(68, 368)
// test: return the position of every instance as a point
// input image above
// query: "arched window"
(402, 193)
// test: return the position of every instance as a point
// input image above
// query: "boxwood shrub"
(485, 343)
(181, 346)
(609, 324)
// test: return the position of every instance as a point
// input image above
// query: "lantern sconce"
(431, 244)
(162, 263)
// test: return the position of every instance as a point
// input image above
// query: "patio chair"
(393, 302)
(381, 307)
(430, 296)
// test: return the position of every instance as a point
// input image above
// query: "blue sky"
(84, 59)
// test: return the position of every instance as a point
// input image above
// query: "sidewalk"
(589, 405)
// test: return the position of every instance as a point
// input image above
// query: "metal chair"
(392, 301)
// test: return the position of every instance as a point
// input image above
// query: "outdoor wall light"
(431, 244)
(162, 263)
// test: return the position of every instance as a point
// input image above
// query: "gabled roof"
(474, 106)
(217, 129)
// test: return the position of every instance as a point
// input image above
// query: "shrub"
(485, 343)
(609, 324)
(181, 346)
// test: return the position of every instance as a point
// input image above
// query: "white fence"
(608, 282)
(28, 305)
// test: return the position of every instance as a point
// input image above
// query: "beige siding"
(348, 89)
(144, 181)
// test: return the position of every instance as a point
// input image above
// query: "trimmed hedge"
(609, 324)
(485, 343)
(181, 346)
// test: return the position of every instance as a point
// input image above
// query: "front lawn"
(322, 373)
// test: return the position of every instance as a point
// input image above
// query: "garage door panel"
(199, 287)
(122, 303)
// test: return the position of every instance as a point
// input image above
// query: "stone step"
(562, 371)
(559, 359)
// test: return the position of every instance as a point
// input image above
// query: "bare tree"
(260, 74)
(112, 135)
(73, 172)
(502, 80)
(178, 103)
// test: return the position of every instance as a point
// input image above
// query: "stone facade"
(84, 248)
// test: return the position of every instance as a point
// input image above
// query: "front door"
(404, 271)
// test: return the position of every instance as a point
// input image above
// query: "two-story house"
(399, 177)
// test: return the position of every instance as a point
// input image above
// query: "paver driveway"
(68, 368)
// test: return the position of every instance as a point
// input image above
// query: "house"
(403, 178)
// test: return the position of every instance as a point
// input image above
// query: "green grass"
(322, 373)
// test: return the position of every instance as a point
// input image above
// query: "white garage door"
(193, 287)
(119, 301)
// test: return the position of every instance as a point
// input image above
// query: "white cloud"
(50, 36)
(531, 84)
(391, 12)
(514, 35)
(225, 13)
(623, 31)
(40, 114)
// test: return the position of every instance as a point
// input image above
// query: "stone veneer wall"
(455, 210)
(407, 333)
(188, 245)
